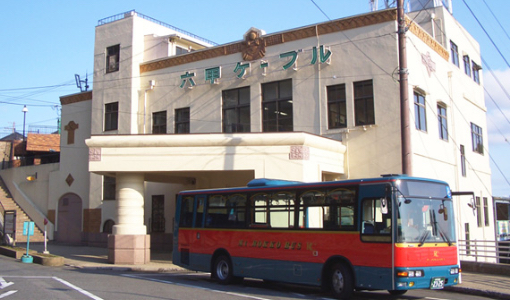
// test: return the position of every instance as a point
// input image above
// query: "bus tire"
(222, 270)
(341, 282)
(397, 292)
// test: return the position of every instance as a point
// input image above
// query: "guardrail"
(485, 251)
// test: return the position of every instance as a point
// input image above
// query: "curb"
(478, 292)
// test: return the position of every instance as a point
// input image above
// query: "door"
(69, 219)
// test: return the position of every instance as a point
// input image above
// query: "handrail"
(483, 250)
(133, 13)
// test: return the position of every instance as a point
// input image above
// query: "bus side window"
(260, 213)
(186, 217)
(375, 226)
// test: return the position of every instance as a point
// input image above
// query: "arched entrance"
(69, 219)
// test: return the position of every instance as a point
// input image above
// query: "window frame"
(340, 103)
(454, 50)
(241, 125)
(182, 120)
(159, 127)
(112, 52)
(442, 120)
(476, 72)
(111, 116)
(279, 102)
(109, 187)
(420, 112)
(364, 106)
(477, 138)
(467, 65)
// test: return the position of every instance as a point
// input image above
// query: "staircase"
(9, 204)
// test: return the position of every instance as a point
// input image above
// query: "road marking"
(7, 294)
(196, 287)
(4, 284)
(84, 292)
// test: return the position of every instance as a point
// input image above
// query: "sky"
(45, 43)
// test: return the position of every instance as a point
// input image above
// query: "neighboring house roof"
(15, 136)
(43, 142)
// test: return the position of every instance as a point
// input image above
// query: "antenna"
(79, 82)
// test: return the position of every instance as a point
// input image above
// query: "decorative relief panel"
(299, 153)
(94, 154)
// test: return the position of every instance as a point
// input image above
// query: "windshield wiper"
(423, 237)
(444, 236)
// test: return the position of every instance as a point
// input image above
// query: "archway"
(69, 219)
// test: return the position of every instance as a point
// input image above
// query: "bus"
(392, 233)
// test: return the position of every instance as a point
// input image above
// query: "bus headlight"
(411, 273)
(454, 271)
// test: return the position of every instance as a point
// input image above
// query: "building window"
(337, 111)
(112, 58)
(419, 112)
(182, 117)
(236, 110)
(364, 103)
(468, 238)
(277, 106)
(477, 138)
(479, 212)
(109, 186)
(463, 160)
(467, 65)
(159, 122)
(180, 50)
(476, 72)
(486, 211)
(442, 122)
(111, 116)
(455, 53)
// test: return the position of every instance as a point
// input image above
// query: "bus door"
(376, 237)
(197, 259)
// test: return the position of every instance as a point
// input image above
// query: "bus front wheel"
(223, 270)
(341, 281)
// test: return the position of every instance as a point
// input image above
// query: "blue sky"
(44, 43)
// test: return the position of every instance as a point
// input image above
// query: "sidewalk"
(82, 257)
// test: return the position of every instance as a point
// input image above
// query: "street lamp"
(24, 110)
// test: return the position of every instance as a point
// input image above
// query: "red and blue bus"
(392, 233)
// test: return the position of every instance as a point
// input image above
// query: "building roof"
(43, 142)
(15, 136)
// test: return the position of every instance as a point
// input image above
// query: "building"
(171, 111)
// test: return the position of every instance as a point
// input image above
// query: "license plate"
(437, 283)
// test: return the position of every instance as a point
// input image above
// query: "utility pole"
(404, 93)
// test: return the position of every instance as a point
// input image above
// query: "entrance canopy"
(173, 158)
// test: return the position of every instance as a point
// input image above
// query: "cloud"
(497, 100)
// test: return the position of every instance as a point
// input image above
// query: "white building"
(170, 111)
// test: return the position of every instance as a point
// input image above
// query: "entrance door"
(158, 213)
(69, 219)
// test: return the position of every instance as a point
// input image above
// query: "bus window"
(186, 217)
(281, 210)
(217, 214)
(375, 226)
(311, 210)
(344, 202)
(200, 211)
(259, 203)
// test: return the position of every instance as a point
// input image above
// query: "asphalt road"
(33, 281)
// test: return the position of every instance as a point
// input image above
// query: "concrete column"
(129, 243)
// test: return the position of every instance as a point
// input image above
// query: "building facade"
(170, 111)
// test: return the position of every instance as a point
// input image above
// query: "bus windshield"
(423, 220)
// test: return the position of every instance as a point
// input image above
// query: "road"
(33, 281)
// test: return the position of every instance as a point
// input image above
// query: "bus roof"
(267, 183)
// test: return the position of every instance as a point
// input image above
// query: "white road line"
(196, 287)
(4, 284)
(7, 294)
(84, 292)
